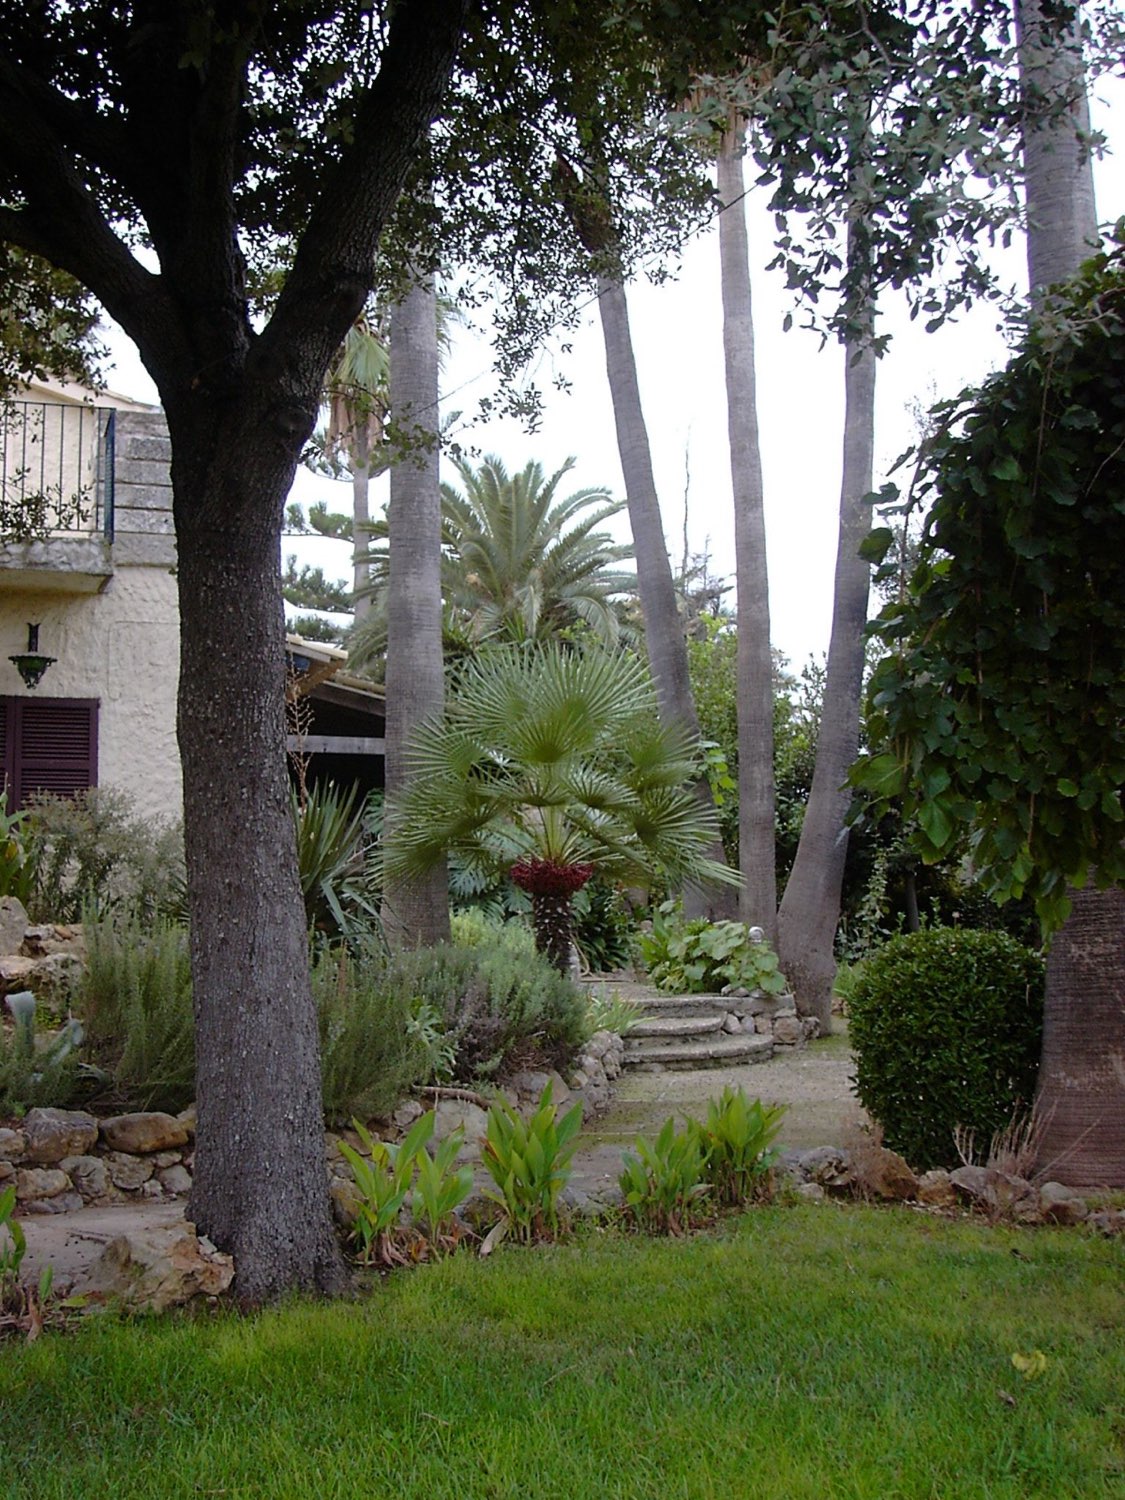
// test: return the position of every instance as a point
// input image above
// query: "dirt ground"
(814, 1083)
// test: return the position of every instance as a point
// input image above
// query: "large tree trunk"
(361, 514)
(259, 1186)
(810, 907)
(756, 832)
(664, 634)
(1062, 228)
(1081, 1094)
(415, 912)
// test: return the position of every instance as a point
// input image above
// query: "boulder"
(175, 1180)
(154, 1271)
(13, 924)
(997, 1193)
(1062, 1205)
(144, 1133)
(34, 1183)
(936, 1190)
(51, 1134)
(14, 972)
(91, 1178)
(881, 1173)
(788, 1031)
(12, 1145)
(453, 1112)
(127, 1172)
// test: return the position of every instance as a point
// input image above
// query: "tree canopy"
(1001, 704)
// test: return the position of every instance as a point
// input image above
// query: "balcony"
(56, 496)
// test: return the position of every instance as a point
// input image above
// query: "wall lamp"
(31, 664)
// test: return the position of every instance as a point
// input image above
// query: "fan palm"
(548, 765)
(519, 564)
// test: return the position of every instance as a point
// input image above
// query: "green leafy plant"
(441, 1187)
(737, 1139)
(336, 875)
(18, 862)
(694, 956)
(663, 1184)
(612, 1012)
(945, 1025)
(603, 926)
(383, 1179)
(13, 1244)
(529, 1161)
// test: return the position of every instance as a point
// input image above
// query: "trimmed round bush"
(945, 1025)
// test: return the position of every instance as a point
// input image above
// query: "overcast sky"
(677, 334)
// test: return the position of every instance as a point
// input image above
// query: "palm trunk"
(1062, 228)
(756, 832)
(664, 635)
(1081, 1092)
(810, 907)
(361, 514)
(259, 1189)
(416, 911)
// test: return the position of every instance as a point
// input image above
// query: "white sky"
(677, 334)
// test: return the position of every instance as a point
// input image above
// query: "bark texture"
(415, 911)
(810, 907)
(361, 514)
(552, 917)
(1081, 1093)
(664, 634)
(756, 834)
(1062, 226)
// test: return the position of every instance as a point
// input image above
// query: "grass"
(806, 1352)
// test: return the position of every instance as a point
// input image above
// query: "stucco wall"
(121, 647)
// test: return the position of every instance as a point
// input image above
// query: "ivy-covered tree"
(1001, 702)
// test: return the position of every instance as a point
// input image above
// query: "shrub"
(662, 1184)
(474, 928)
(135, 1001)
(737, 1143)
(371, 1054)
(945, 1025)
(35, 1074)
(334, 843)
(92, 853)
(496, 1003)
(603, 926)
(529, 1161)
(694, 956)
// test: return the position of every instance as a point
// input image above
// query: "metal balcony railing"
(56, 471)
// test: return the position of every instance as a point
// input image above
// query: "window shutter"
(49, 745)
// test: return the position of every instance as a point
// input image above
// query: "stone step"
(670, 1028)
(717, 1051)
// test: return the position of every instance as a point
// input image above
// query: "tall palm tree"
(547, 766)
(518, 564)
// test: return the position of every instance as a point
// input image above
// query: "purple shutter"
(49, 745)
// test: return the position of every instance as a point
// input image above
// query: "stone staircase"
(704, 1031)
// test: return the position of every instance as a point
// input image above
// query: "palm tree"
(549, 765)
(517, 564)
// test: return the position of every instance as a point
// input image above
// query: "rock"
(162, 1159)
(763, 1025)
(788, 1031)
(90, 1176)
(1108, 1221)
(55, 977)
(453, 1112)
(14, 971)
(407, 1113)
(997, 1193)
(61, 1203)
(346, 1199)
(13, 924)
(578, 1079)
(881, 1173)
(811, 1191)
(127, 1172)
(7, 1173)
(154, 1271)
(731, 1024)
(34, 1183)
(12, 1145)
(1061, 1205)
(559, 1091)
(51, 1134)
(151, 1189)
(176, 1180)
(936, 1190)
(529, 1083)
(186, 1117)
(831, 1166)
(811, 1027)
(51, 939)
(143, 1134)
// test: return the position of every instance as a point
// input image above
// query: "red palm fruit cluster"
(547, 877)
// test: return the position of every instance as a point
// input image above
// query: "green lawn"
(815, 1351)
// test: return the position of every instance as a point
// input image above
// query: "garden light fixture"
(31, 664)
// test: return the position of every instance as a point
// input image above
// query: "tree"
(550, 765)
(1001, 701)
(518, 564)
(230, 139)
(48, 323)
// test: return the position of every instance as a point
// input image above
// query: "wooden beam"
(334, 744)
